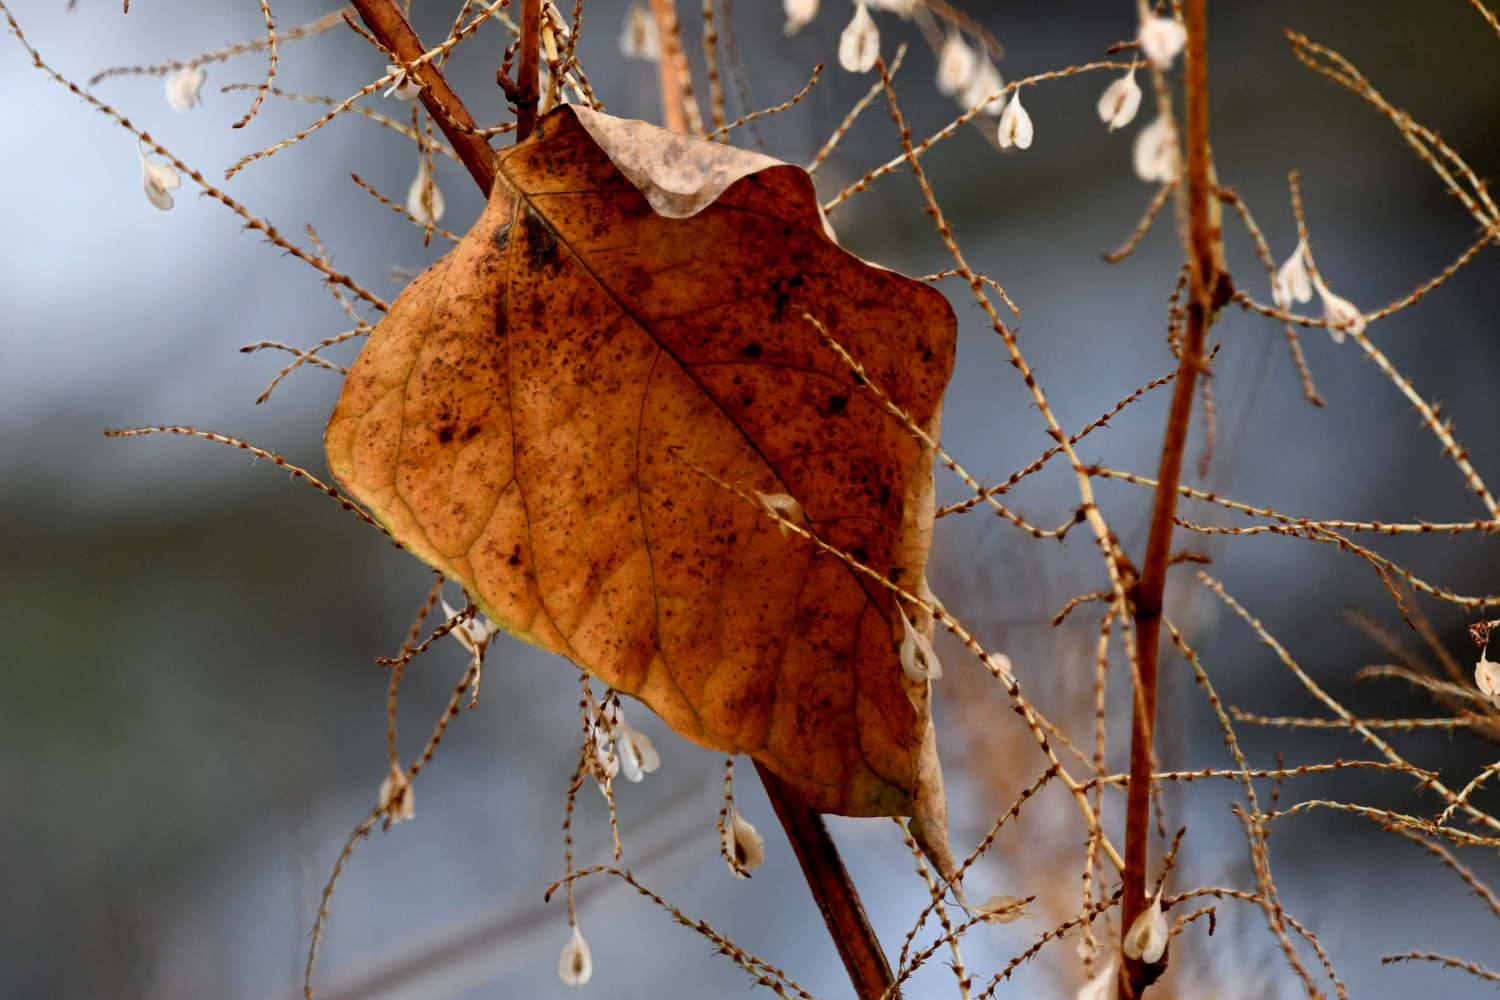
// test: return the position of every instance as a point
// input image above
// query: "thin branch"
(270, 71)
(297, 473)
(309, 30)
(1453, 963)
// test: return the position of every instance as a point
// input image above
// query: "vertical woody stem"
(527, 75)
(832, 888)
(669, 49)
(1205, 289)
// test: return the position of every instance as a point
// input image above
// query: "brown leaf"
(527, 417)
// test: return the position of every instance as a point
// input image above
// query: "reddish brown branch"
(528, 87)
(386, 23)
(674, 114)
(831, 887)
(1207, 292)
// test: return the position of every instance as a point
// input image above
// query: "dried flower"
(603, 763)
(397, 799)
(1487, 676)
(1343, 314)
(1103, 985)
(475, 634)
(576, 965)
(1120, 102)
(1161, 39)
(403, 88)
(986, 87)
(637, 754)
(743, 844)
(859, 45)
(799, 14)
(1001, 910)
(183, 87)
(1292, 281)
(917, 657)
(423, 199)
(1015, 125)
(957, 64)
(780, 505)
(1156, 158)
(158, 179)
(1147, 937)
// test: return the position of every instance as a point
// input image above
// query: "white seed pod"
(1120, 102)
(743, 844)
(1343, 314)
(1156, 159)
(859, 45)
(638, 38)
(1293, 283)
(799, 14)
(985, 87)
(1147, 937)
(780, 505)
(1104, 983)
(403, 88)
(917, 657)
(576, 964)
(1487, 676)
(397, 799)
(636, 752)
(157, 179)
(183, 87)
(1015, 125)
(1001, 910)
(1161, 39)
(423, 199)
(957, 64)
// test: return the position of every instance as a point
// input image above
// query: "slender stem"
(674, 112)
(1207, 282)
(832, 888)
(527, 79)
(390, 28)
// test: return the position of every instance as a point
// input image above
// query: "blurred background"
(190, 715)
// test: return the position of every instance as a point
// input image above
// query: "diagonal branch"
(832, 888)
(386, 23)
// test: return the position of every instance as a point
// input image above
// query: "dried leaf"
(528, 416)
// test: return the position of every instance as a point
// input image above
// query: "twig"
(270, 71)
(1115, 256)
(317, 27)
(1454, 963)
(297, 473)
(716, 92)
(860, 105)
(724, 129)
(374, 116)
(384, 19)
